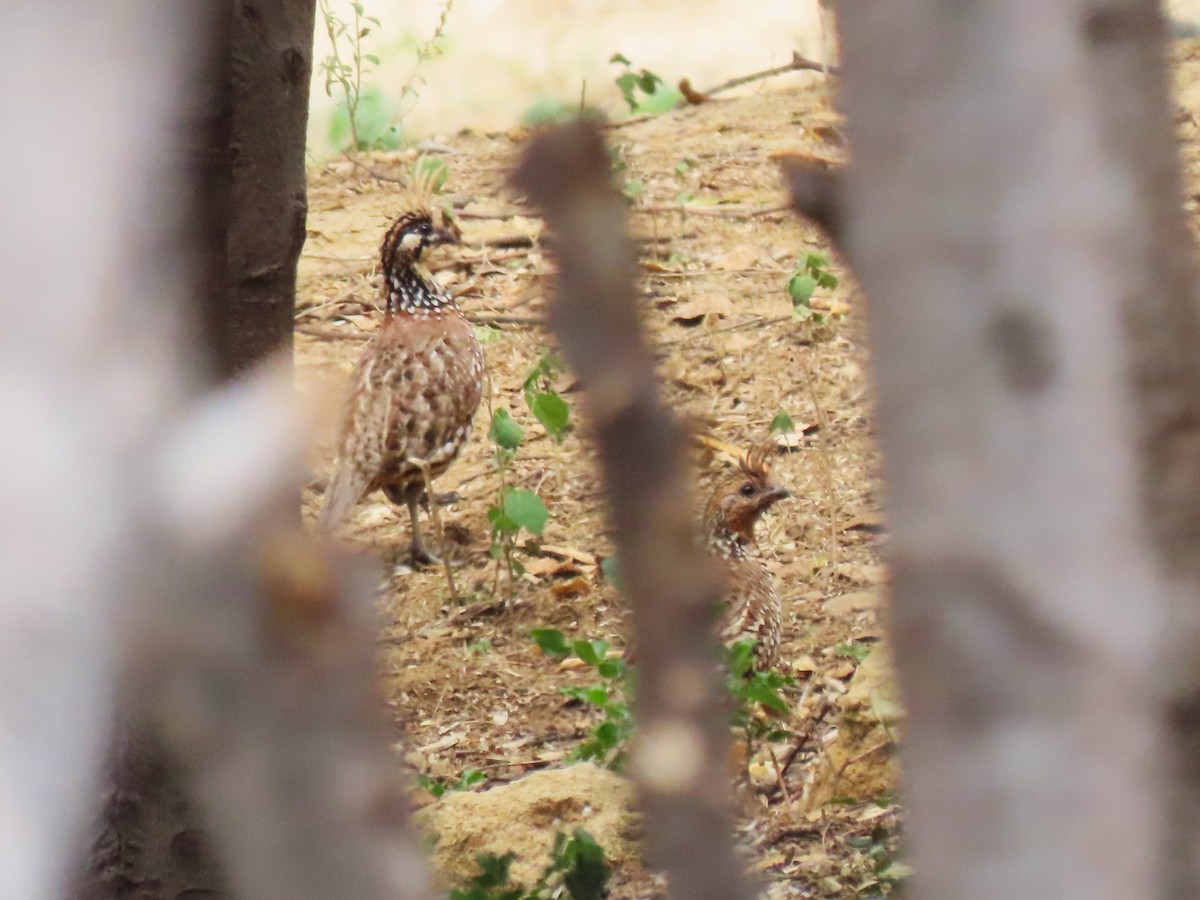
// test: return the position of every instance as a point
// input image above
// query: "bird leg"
(420, 553)
(418, 545)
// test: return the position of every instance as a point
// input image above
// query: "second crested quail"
(752, 611)
(415, 390)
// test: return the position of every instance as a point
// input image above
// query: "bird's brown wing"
(366, 423)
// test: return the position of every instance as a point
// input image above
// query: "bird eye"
(747, 489)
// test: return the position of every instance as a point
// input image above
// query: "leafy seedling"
(811, 272)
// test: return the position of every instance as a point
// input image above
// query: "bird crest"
(755, 462)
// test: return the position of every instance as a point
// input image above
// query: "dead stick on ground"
(679, 756)
(692, 209)
(798, 64)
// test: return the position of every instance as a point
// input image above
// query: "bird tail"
(343, 493)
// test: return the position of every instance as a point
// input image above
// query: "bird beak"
(775, 493)
(448, 231)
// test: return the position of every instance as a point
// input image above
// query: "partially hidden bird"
(752, 610)
(414, 392)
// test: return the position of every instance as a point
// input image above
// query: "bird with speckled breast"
(415, 390)
(752, 610)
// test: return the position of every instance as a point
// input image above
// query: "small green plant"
(364, 118)
(480, 647)
(517, 509)
(577, 870)
(514, 508)
(547, 404)
(855, 650)
(754, 692)
(439, 787)
(608, 739)
(811, 272)
(410, 92)
(346, 64)
(782, 422)
(644, 91)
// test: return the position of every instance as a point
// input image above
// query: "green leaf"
(589, 873)
(611, 668)
(855, 650)
(608, 734)
(633, 188)
(551, 642)
(648, 81)
(591, 652)
(627, 83)
(504, 432)
(782, 422)
(741, 656)
(595, 695)
(552, 411)
(620, 58)
(768, 696)
(801, 288)
(502, 523)
(471, 777)
(526, 509)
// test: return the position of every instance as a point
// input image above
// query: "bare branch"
(798, 64)
(251, 649)
(681, 750)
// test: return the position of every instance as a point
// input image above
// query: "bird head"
(410, 234)
(738, 503)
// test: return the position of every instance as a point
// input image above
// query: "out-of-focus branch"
(815, 188)
(256, 663)
(679, 757)
(150, 535)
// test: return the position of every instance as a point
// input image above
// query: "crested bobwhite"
(415, 390)
(752, 610)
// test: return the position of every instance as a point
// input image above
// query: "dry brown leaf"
(743, 256)
(694, 310)
(580, 556)
(576, 587)
(541, 566)
(855, 601)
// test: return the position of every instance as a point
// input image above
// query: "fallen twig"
(694, 209)
(798, 64)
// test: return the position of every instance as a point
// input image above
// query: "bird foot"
(421, 555)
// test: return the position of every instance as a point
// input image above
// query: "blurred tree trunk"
(242, 124)
(1014, 214)
(271, 68)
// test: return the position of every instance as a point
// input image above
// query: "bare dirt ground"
(466, 682)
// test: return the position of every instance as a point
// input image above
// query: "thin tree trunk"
(272, 65)
(1011, 206)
